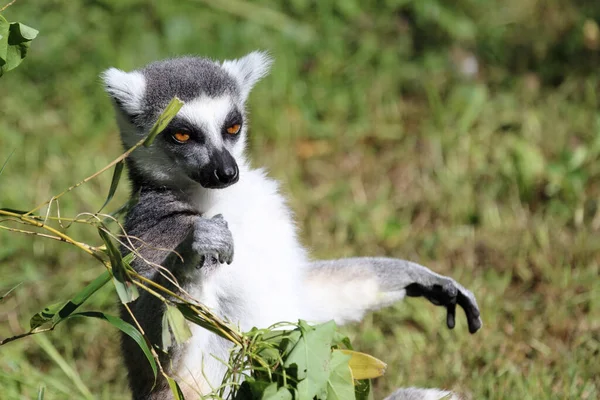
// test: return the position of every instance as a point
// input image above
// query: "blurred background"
(464, 135)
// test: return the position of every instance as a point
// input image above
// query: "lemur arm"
(345, 289)
(161, 222)
(157, 225)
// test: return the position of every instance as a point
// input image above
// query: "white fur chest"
(263, 284)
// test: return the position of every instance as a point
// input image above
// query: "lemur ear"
(126, 88)
(249, 69)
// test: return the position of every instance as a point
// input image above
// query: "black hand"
(448, 296)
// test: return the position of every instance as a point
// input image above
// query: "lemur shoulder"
(199, 195)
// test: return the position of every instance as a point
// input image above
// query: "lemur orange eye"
(181, 137)
(233, 129)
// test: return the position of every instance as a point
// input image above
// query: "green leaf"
(165, 333)
(341, 339)
(125, 288)
(163, 120)
(45, 316)
(14, 44)
(11, 153)
(191, 316)
(252, 389)
(127, 329)
(4, 31)
(177, 393)
(126, 291)
(260, 389)
(20, 212)
(362, 389)
(174, 323)
(113, 184)
(83, 295)
(273, 393)
(340, 385)
(22, 33)
(10, 290)
(364, 366)
(41, 391)
(57, 312)
(311, 356)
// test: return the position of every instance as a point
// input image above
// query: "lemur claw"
(448, 295)
(213, 241)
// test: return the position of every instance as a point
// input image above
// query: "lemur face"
(203, 142)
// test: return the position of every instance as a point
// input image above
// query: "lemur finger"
(220, 219)
(224, 258)
(474, 324)
(467, 301)
(451, 291)
(451, 316)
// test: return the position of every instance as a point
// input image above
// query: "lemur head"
(206, 139)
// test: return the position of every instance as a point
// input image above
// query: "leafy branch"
(285, 361)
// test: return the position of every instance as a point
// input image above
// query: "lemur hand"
(213, 240)
(447, 292)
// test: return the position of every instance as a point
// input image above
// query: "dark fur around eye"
(181, 126)
(233, 118)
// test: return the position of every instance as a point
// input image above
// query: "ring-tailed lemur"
(198, 194)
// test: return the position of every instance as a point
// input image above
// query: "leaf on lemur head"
(163, 120)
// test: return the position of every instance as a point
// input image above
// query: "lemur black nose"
(227, 175)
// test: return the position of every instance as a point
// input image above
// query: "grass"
(383, 149)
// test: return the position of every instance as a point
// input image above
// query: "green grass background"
(383, 147)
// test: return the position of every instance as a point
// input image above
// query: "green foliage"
(304, 355)
(123, 283)
(384, 146)
(15, 39)
(173, 323)
(301, 365)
